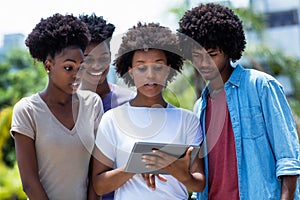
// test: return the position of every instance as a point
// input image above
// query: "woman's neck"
(103, 89)
(57, 97)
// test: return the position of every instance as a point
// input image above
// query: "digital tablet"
(136, 165)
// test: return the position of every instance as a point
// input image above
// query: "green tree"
(20, 76)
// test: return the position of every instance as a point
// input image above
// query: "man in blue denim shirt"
(251, 147)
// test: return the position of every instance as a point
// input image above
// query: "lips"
(75, 85)
(150, 84)
(95, 73)
(205, 71)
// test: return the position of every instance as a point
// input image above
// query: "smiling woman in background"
(97, 62)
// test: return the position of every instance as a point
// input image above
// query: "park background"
(273, 46)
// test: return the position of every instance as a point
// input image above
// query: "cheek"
(162, 79)
(138, 80)
(196, 62)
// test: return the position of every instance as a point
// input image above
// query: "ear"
(47, 65)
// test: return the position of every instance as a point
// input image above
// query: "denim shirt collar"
(235, 78)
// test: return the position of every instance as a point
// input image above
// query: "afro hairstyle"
(99, 29)
(213, 26)
(143, 37)
(51, 35)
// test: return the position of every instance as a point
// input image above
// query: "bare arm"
(104, 178)
(192, 177)
(91, 192)
(288, 187)
(28, 167)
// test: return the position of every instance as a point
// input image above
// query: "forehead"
(70, 53)
(149, 55)
(97, 49)
(203, 50)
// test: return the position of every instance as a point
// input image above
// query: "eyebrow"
(160, 60)
(69, 60)
(212, 50)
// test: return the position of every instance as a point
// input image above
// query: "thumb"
(189, 152)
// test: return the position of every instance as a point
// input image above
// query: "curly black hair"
(51, 35)
(148, 36)
(99, 29)
(214, 26)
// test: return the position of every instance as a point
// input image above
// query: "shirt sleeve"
(98, 108)
(281, 129)
(104, 141)
(23, 119)
(194, 132)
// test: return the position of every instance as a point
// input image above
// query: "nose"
(207, 60)
(150, 72)
(96, 65)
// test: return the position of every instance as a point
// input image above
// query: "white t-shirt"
(121, 127)
(63, 155)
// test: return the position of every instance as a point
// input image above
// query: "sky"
(20, 16)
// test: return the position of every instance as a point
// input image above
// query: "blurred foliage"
(10, 183)
(20, 76)
(5, 121)
(180, 9)
(252, 21)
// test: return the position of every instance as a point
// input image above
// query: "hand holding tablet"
(136, 165)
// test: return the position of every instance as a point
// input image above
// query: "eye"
(213, 54)
(197, 55)
(88, 60)
(68, 68)
(104, 59)
(158, 67)
(141, 68)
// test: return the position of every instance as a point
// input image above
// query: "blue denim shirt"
(267, 145)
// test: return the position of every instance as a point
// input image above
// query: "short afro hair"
(99, 29)
(214, 26)
(143, 37)
(51, 35)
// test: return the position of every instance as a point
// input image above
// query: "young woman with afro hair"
(147, 59)
(54, 129)
(250, 140)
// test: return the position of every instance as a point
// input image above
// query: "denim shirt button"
(233, 86)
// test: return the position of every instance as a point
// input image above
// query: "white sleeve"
(104, 140)
(194, 132)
